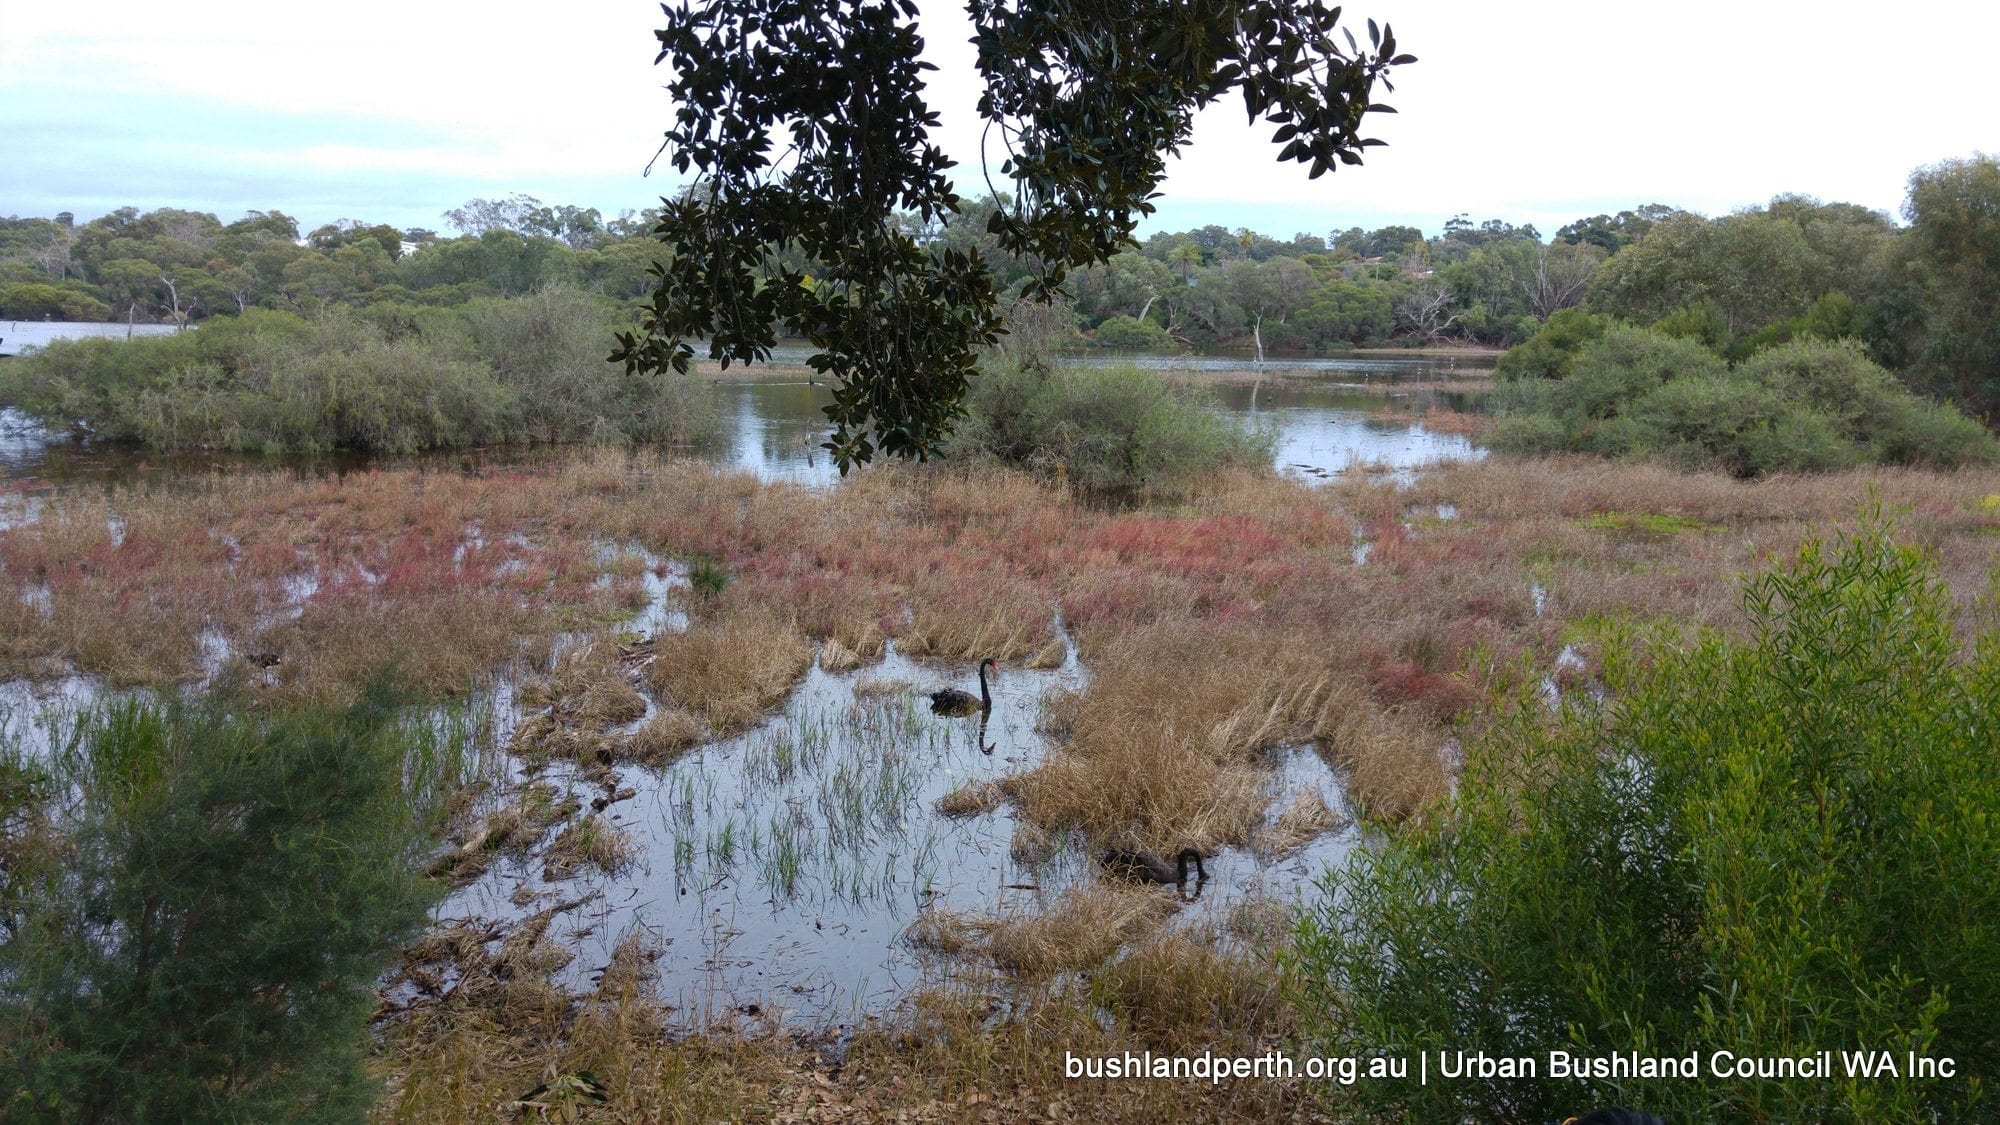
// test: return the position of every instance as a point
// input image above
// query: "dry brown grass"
(587, 694)
(517, 826)
(729, 668)
(870, 687)
(946, 1063)
(970, 799)
(664, 737)
(588, 842)
(947, 932)
(963, 617)
(1085, 928)
(1163, 748)
(1184, 992)
(1306, 817)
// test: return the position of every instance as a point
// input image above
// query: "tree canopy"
(806, 130)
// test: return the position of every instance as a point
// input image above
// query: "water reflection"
(776, 430)
(781, 866)
(1327, 413)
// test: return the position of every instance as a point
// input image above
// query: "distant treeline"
(1917, 298)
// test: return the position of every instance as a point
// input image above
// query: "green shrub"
(1580, 408)
(1623, 365)
(1933, 435)
(1732, 423)
(548, 350)
(1546, 354)
(1132, 335)
(1806, 405)
(338, 384)
(1529, 432)
(1112, 429)
(1771, 846)
(398, 378)
(35, 300)
(1701, 322)
(210, 895)
(1869, 406)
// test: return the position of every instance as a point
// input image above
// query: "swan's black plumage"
(1151, 869)
(952, 701)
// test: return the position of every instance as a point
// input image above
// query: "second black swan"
(1151, 869)
(952, 701)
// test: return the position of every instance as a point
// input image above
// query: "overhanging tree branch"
(1090, 96)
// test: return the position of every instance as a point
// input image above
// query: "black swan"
(952, 701)
(1148, 869)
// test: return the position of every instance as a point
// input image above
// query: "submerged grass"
(1233, 622)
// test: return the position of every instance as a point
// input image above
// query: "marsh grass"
(970, 799)
(664, 737)
(1212, 629)
(729, 667)
(1307, 817)
(1084, 928)
(1185, 992)
(589, 842)
(1163, 745)
(478, 1049)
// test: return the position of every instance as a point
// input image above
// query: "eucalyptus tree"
(1954, 213)
(806, 129)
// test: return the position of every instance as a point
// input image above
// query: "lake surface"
(1328, 414)
(18, 336)
(780, 871)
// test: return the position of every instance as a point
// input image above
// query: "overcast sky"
(1528, 112)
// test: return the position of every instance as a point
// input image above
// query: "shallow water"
(778, 869)
(20, 336)
(781, 867)
(1324, 412)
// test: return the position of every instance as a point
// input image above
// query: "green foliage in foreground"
(1810, 404)
(518, 370)
(196, 904)
(1111, 429)
(1771, 846)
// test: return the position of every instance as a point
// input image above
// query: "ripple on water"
(781, 865)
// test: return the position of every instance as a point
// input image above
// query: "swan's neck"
(1199, 872)
(985, 699)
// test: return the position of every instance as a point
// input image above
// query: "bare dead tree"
(1558, 278)
(174, 294)
(1426, 310)
(54, 257)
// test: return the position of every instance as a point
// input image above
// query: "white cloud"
(1530, 112)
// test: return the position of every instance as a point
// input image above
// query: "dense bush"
(197, 903)
(1730, 422)
(548, 350)
(1770, 846)
(1346, 313)
(34, 301)
(397, 379)
(1132, 335)
(1806, 405)
(1547, 354)
(1108, 429)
